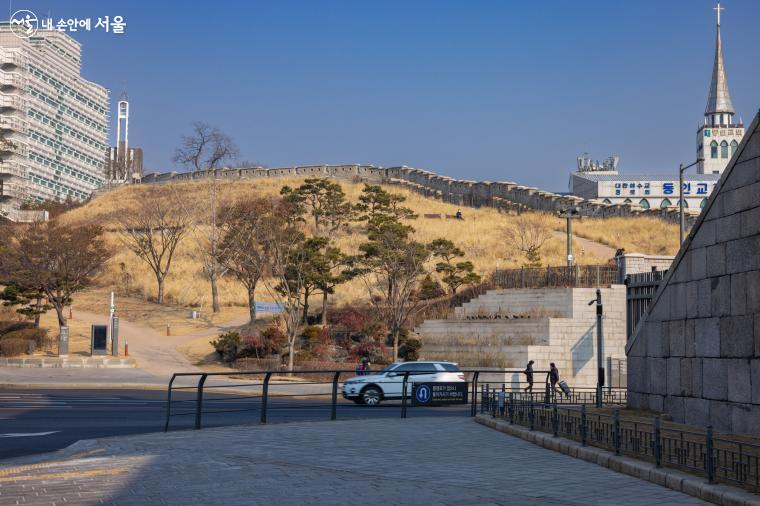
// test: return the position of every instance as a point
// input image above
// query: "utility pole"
(682, 225)
(599, 347)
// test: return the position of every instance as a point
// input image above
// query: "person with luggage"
(529, 377)
(554, 378)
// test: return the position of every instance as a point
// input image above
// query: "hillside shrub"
(39, 336)
(11, 326)
(227, 345)
(265, 344)
(13, 347)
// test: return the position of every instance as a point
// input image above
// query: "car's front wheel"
(371, 396)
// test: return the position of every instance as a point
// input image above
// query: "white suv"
(373, 388)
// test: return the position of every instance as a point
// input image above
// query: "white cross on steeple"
(718, 9)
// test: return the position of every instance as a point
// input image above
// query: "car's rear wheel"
(371, 396)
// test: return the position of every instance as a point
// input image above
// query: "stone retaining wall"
(70, 362)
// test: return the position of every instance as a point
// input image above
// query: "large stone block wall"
(503, 195)
(696, 354)
(545, 325)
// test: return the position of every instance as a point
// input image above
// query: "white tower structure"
(122, 146)
(719, 136)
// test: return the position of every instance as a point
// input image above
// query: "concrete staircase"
(507, 328)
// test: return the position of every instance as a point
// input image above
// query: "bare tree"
(242, 248)
(58, 259)
(206, 148)
(153, 234)
(528, 235)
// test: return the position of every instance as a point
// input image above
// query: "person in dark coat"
(554, 378)
(529, 377)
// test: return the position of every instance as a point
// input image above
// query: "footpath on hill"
(383, 461)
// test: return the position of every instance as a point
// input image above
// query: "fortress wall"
(504, 195)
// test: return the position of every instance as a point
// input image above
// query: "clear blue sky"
(479, 90)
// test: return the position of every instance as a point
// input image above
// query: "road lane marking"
(29, 434)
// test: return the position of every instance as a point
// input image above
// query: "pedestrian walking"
(554, 378)
(529, 377)
(362, 367)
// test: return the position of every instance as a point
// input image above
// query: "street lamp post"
(569, 214)
(599, 347)
(682, 225)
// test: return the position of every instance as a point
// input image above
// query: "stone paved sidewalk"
(385, 461)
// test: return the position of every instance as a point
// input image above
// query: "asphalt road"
(35, 421)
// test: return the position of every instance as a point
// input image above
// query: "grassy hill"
(482, 235)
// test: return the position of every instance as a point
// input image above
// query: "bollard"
(126, 347)
(168, 331)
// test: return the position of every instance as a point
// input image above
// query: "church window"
(734, 145)
(665, 203)
(627, 201)
(724, 149)
(685, 203)
(703, 204)
(713, 149)
(644, 204)
(607, 201)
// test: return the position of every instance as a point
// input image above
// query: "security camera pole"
(681, 170)
(599, 347)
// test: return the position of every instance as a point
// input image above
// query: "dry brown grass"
(481, 236)
(636, 235)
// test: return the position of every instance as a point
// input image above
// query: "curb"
(672, 479)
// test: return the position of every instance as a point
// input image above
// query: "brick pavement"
(413, 461)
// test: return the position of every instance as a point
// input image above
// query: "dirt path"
(601, 250)
(157, 354)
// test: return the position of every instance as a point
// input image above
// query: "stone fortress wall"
(508, 196)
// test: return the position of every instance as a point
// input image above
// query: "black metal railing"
(588, 276)
(640, 289)
(317, 394)
(719, 458)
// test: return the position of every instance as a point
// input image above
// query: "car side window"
(423, 368)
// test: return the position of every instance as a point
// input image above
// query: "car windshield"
(388, 368)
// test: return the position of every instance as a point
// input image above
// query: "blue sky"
(500, 91)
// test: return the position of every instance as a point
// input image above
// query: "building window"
(685, 203)
(713, 149)
(665, 203)
(627, 201)
(607, 201)
(734, 145)
(724, 149)
(644, 203)
(703, 204)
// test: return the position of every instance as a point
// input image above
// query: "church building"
(717, 140)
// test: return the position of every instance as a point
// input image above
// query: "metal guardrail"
(267, 391)
(719, 458)
(582, 276)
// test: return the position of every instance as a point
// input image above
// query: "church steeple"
(719, 107)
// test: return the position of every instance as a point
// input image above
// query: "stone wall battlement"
(504, 195)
